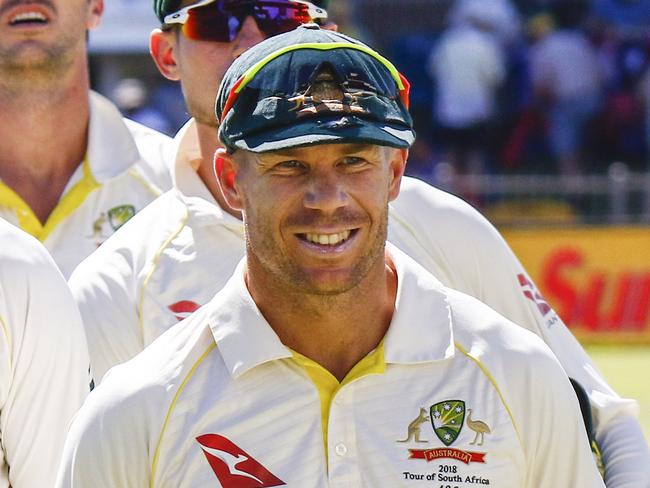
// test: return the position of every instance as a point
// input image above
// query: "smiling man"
(309, 366)
(72, 170)
(176, 254)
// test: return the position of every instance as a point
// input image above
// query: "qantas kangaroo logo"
(233, 466)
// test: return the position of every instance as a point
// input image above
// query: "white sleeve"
(108, 442)
(467, 253)
(47, 364)
(506, 287)
(548, 415)
(626, 465)
(105, 288)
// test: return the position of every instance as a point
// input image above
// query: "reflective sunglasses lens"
(213, 23)
(275, 18)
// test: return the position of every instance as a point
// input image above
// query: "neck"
(209, 142)
(43, 136)
(336, 331)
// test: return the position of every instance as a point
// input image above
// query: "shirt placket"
(343, 455)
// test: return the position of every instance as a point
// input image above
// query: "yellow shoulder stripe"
(153, 265)
(172, 405)
(489, 376)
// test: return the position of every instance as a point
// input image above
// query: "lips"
(19, 14)
(28, 18)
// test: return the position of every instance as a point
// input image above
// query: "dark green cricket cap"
(165, 7)
(312, 86)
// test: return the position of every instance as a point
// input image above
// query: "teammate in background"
(176, 254)
(43, 361)
(71, 169)
(322, 326)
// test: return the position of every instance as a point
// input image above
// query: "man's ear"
(225, 167)
(162, 47)
(95, 11)
(397, 166)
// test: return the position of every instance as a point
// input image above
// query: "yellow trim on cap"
(328, 386)
(72, 200)
(172, 405)
(253, 70)
(485, 371)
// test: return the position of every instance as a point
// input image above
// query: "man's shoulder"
(153, 377)
(19, 247)
(146, 136)
(477, 327)
(425, 209)
(24, 260)
(143, 235)
(118, 146)
(157, 151)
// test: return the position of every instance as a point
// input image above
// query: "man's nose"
(326, 193)
(248, 36)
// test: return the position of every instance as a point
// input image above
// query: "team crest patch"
(447, 419)
(118, 216)
(326, 94)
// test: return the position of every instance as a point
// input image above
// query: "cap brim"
(332, 130)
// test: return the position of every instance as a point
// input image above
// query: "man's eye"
(291, 164)
(353, 161)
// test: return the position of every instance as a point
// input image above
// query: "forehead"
(321, 153)
(325, 152)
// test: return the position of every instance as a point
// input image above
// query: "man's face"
(200, 65)
(316, 217)
(45, 35)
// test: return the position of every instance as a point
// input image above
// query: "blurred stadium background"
(550, 137)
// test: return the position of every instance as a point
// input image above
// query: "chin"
(328, 283)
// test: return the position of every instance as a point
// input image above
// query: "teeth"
(28, 16)
(328, 239)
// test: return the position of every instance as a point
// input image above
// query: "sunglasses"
(221, 20)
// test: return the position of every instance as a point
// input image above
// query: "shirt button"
(341, 450)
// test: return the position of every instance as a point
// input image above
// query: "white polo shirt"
(454, 395)
(179, 251)
(122, 172)
(43, 361)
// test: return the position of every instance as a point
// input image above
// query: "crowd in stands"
(506, 86)
(535, 86)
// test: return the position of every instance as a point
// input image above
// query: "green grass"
(627, 370)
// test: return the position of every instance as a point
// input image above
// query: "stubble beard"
(43, 69)
(284, 274)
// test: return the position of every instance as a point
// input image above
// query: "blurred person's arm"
(110, 286)
(107, 287)
(103, 285)
(44, 366)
